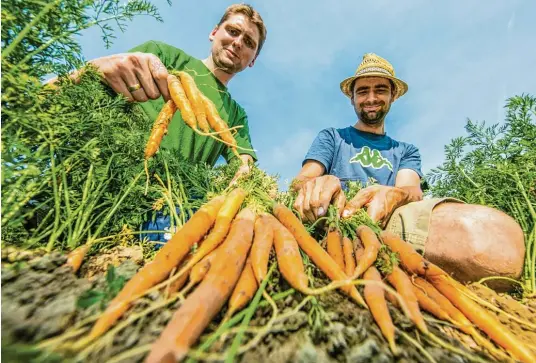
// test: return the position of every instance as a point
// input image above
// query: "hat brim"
(400, 86)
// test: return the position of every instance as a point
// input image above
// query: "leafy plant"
(496, 166)
(114, 284)
(69, 151)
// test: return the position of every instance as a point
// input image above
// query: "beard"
(372, 118)
(225, 64)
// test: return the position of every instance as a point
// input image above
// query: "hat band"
(374, 69)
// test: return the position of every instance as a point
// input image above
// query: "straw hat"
(373, 65)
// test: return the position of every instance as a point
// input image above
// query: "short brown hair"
(252, 15)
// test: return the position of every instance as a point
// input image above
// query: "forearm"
(310, 170)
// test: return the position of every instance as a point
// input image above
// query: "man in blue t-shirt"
(362, 151)
(469, 241)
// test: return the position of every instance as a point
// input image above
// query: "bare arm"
(410, 181)
(310, 170)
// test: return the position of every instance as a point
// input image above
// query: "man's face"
(372, 98)
(234, 44)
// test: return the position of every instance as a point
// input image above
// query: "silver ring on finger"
(134, 88)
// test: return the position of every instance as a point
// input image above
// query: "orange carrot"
(453, 313)
(76, 257)
(218, 124)
(205, 302)
(375, 298)
(244, 290)
(428, 304)
(262, 244)
(160, 128)
(225, 216)
(317, 254)
(200, 269)
(334, 247)
(412, 261)
(415, 263)
(177, 284)
(404, 287)
(176, 91)
(159, 269)
(289, 259)
(349, 259)
(194, 95)
(372, 247)
(481, 317)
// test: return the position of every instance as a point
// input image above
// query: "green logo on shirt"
(367, 158)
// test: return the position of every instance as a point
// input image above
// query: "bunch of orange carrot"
(234, 243)
(197, 111)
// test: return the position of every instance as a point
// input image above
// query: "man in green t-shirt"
(141, 75)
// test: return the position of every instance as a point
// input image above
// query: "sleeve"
(243, 139)
(149, 46)
(322, 149)
(170, 56)
(411, 160)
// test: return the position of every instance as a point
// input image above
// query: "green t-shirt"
(180, 138)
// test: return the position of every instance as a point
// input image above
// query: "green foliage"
(114, 284)
(496, 166)
(72, 155)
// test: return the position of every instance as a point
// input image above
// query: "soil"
(39, 302)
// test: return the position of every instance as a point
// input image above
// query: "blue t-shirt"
(353, 155)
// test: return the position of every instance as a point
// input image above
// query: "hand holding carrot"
(380, 201)
(316, 194)
(138, 76)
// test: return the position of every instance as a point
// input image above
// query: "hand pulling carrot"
(349, 259)
(194, 95)
(317, 254)
(262, 245)
(334, 247)
(159, 269)
(404, 287)
(205, 302)
(372, 247)
(375, 298)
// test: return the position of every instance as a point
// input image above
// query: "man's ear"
(213, 33)
(252, 62)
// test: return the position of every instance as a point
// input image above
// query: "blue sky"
(461, 59)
